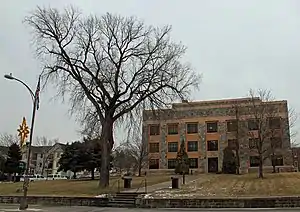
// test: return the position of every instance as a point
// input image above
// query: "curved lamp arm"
(10, 77)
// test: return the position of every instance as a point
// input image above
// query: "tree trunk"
(106, 140)
(260, 168)
(273, 162)
(93, 174)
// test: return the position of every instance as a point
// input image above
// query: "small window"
(193, 162)
(232, 126)
(212, 145)
(278, 160)
(172, 146)
(172, 163)
(254, 161)
(274, 123)
(212, 127)
(154, 129)
(232, 143)
(154, 164)
(253, 142)
(252, 124)
(276, 142)
(154, 147)
(192, 128)
(192, 146)
(172, 129)
(41, 155)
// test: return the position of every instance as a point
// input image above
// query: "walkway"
(167, 184)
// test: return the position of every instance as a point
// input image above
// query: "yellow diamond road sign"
(23, 132)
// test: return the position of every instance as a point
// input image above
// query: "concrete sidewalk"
(167, 184)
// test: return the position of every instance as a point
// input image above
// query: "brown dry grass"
(279, 184)
(76, 187)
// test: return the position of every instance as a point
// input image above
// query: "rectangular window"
(172, 146)
(276, 142)
(211, 127)
(212, 145)
(34, 157)
(232, 143)
(274, 123)
(253, 142)
(154, 164)
(172, 129)
(278, 160)
(192, 146)
(172, 163)
(193, 163)
(154, 129)
(192, 128)
(252, 124)
(232, 126)
(254, 161)
(154, 147)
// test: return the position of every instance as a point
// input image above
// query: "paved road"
(12, 208)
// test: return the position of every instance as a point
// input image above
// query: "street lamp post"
(34, 96)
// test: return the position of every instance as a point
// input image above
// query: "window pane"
(173, 147)
(252, 125)
(212, 127)
(212, 145)
(232, 126)
(172, 129)
(193, 162)
(253, 142)
(172, 163)
(274, 123)
(154, 147)
(154, 129)
(254, 161)
(154, 164)
(192, 128)
(192, 146)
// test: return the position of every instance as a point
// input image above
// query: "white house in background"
(44, 159)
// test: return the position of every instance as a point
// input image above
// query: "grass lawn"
(76, 187)
(279, 184)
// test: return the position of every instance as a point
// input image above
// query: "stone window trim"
(193, 163)
(154, 147)
(192, 127)
(212, 127)
(154, 129)
(212, 145)
(173, 128)
(173, 146)
(192, 146)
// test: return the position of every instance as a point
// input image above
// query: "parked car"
(35, 177)
(56, 177)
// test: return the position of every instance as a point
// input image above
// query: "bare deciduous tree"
(8, 139)
(109, 66)
(263, 111)
(293, 119)
(44, 141)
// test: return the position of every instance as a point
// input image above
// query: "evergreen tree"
(182, 166)
(14, 157)
(229, 161)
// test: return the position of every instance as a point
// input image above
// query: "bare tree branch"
(8, 139)
(44, 141)
(110, 66)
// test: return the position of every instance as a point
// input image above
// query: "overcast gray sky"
(236, 44)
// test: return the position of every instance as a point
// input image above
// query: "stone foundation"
(263, 202)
